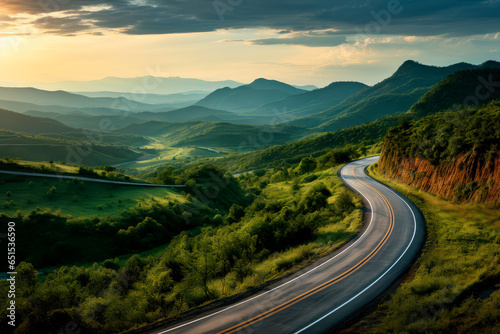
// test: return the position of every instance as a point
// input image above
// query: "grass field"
(454, 286)
(39, 148)
(80, 199)
(170, 155)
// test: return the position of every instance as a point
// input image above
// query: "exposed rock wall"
(466, 178)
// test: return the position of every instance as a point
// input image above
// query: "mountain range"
(142, 85)
(249, 97)
(224, 117)
(394, 94)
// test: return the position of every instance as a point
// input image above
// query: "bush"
(51, 192)
(344, 202)
(307, 165)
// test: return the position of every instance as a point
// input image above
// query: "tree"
(307, 165)
(166, 176)
(26, 278)
(205, 261)
(236, 212)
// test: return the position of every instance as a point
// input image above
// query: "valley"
(196, 197)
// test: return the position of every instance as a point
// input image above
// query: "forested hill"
(454, 154)
(468, 87)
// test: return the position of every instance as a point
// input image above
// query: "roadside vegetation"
(259, 227)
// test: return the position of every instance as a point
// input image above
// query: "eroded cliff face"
(466, 178)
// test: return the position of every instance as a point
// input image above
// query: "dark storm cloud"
(61, 25)
(392, 17)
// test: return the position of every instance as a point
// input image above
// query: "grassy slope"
(13, 121)
(452, 288)
(45, 148)
(81, 200)
(19, 195)
(332, 233)
(213, 135)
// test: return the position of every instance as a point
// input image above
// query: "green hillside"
(408, 83)
(455, 154)
(265, 84)
(313, 101)
(185, 114)
(293, 152)
(12, 121)
(86, 121)
(24, 107)
(259, 228)
(67, 148)
(68, 221)
(371, 109)
(441, 137)
(469, 87)
(215, 135)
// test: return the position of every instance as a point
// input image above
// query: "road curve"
(88, 179)
(321, 296)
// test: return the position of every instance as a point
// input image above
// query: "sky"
(299, 42)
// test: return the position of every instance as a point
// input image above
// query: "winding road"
(328, 292)
(88, 179)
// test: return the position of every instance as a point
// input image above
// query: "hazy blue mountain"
(111, 122)
(147, 84)
(13, 121)
(248, 97)
(25, 107)
(65, 99)
(184, 99)
(306, 87)
(313, 101)
(265, 84)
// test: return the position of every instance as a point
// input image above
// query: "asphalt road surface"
(321, 296)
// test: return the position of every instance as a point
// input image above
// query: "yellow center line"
(328, 283)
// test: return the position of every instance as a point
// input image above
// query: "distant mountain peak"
(409, 65)
(491, 63)
(264, 80)
(336, 84)
(414, 68)
(266, 84)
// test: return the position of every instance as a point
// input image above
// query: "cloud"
(305, 40)
(61, 25)
(6, 18)
(35, 7)
(370, 17)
